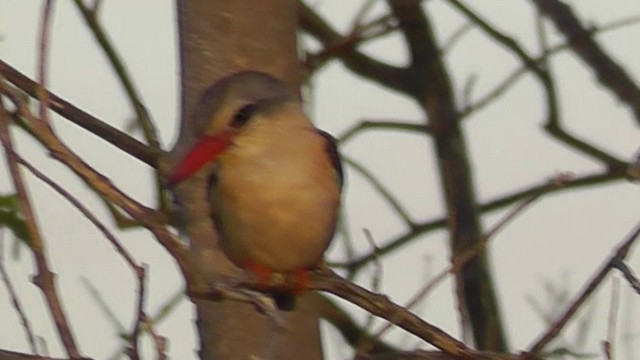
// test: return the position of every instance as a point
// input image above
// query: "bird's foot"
(296, 281)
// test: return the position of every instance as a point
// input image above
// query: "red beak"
(204, 151)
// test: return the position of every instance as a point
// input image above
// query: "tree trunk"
(218, 38)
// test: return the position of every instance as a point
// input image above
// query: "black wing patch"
(334, 155)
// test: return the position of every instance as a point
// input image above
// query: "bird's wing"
(332, 151)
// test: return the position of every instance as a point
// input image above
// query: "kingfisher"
(276, 180)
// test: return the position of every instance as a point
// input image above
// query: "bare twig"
(326, 280)
(382, 190)
(143, 117)
(12, 355)
(459, 262)
(608, 72)
(609, 344)
(152, 219)
(94, 125)
(620, 253)
(351, 331)
(83, 210)
(44, 279)
(366, 125)
(382, 73)
(498, 203)
(133, 351)
(628, 274)
(43, 59)
(15, 301)
(512, 78)
(159, 341)
(375, 279)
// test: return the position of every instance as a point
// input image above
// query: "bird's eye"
(243, 115)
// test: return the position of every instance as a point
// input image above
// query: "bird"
(276, 181)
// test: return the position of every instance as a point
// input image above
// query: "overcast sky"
(561, 240)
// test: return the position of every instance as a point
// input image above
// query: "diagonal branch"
(142, 115)
(608, 72)
(384, 74)
(94, 125)
(151, 219)
(491, 205)
(15, 301)
(44, 279)
(618, 255)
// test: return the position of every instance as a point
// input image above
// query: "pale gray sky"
(562, 239)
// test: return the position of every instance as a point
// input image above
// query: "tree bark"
(218, 38)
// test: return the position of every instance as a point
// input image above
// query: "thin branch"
(351, 332)
(366, 125)
(134, 351)
(612, 323)
(366, 7)
(144, 120)
(43, 59)
(628, 274)
(160, 342)
(507, 41)
(324, 279)
(153, 220)
(44, 279)
(459, 262)
(83, 210)
(457, 35)
(384, 74)
(15, 301)
(517, 74)
(95, 294)
(382, 190)
(142, 115)
(88, 122)
(619, 254)
(11, 355)
(553, 124)
(138, 270)
(500, 202)
(608, 72)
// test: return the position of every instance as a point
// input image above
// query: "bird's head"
(225, 111)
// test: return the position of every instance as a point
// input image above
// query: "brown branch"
(44, 279)
(553, 125)
(517, 74)
(608, 345)
(43, 59)
(15, 301)
(618, 255)
(431, 355)
(382, 190)
(628, 274)
(88, 122)
(138, 270)
(470, 254)
(351, 332)
(384, 74)
(133, 351)
(326, 280)
(366, 125)
(142, 115)
(153, 220)
(608, 72)
(491, 205)
(431, 87)
(83, 210)
(159, 341)
(11, 355)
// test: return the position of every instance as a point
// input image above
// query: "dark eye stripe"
(243, 115)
